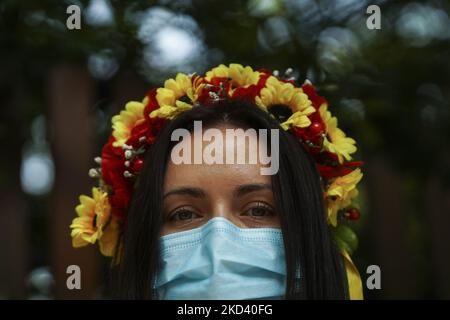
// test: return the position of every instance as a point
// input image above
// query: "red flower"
(152, 126)
(149, 130)
(328, 172)
(120, 200)
(152, 104)
(316, 100)
(253, 90)
(112, 163)
(265, 71)
(113, 166)
(312, 136)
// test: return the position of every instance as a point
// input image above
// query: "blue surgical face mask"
(221, 261)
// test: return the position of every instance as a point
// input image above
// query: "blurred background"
(59, 88)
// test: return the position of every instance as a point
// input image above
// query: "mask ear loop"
(154, 292)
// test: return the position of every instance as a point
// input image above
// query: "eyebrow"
(248, 188)
(199, 193)
(188, 191)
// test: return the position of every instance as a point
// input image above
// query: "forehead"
(218, 174)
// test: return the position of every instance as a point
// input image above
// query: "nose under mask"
(222, 261)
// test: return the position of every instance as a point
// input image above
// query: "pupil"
(280, 111)
(185, 215)
(259, 212)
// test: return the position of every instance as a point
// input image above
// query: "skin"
(196, 193)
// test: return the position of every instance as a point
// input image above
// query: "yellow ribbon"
(353, 278)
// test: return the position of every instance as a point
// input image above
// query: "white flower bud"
(127, 174)
(93, 173)
(128, 154)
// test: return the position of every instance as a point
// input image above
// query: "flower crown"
(101, 217)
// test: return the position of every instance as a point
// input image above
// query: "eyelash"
(173, 216)
(260, 205)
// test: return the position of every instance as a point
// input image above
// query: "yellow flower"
(174, 89)
(124, 122)
(109, 240)
(277, 92)
(336, 141)
(93, 214)
(341, 192)
(240, 76)
(145, 100)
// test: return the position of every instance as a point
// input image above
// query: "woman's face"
(196, 193)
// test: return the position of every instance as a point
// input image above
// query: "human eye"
(183, 215)
(258, 210)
